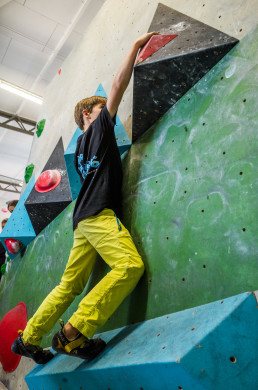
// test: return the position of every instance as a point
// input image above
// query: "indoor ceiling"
(36, 36)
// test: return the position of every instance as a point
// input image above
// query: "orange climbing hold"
(155, 43)
(48, 180)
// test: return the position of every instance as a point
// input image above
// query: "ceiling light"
(21, 92)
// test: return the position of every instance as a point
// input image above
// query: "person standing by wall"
(2, 248)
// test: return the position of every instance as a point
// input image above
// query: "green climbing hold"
(3, 269)
(28, 173)
(8, 259)
(40, 127)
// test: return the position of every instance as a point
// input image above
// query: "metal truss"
(11, 185)
(6, 118)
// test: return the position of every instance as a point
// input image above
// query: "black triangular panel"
(162, 79)
(43, 207)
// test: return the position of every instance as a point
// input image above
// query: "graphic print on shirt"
(84, 168)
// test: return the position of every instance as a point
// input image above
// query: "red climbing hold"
(48, 180)
(13, 246)
(13, 321)
(155, 43)
(59, 72)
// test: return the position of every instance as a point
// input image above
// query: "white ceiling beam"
(3, 2)
(60, 44)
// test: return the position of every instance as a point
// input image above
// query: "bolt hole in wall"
(232, 359)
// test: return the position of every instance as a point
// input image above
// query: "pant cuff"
(29, 339)
(86, 329)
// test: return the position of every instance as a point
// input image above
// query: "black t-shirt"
(97, 161)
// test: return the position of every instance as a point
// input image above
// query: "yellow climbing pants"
(103, 234)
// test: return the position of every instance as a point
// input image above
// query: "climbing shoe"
(35, 352)
(81, 346)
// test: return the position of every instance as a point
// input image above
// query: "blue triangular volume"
(122, 139)
(19, 225)
(73, 176)
(100, 91)
(181, 348)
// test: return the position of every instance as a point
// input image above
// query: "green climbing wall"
(189, 200)
(191, 189)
